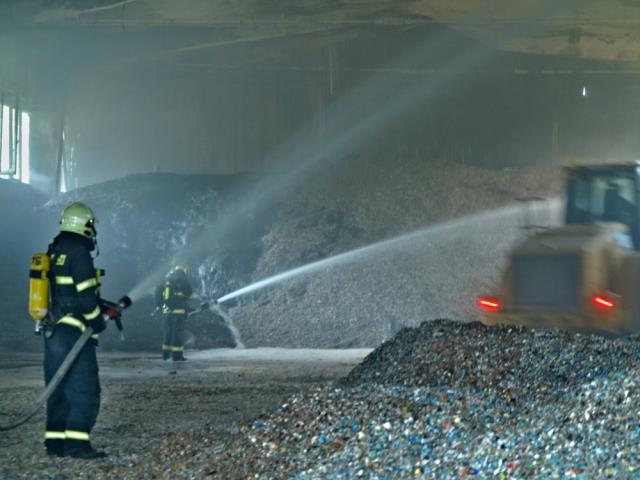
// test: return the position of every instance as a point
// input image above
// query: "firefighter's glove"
(98, 324)
(110, 314)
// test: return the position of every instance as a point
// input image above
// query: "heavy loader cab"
(605, 193)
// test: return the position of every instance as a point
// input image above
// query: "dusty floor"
(145, 400)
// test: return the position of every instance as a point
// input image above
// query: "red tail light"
(490, 304)
(603, 302)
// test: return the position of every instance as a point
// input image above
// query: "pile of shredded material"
(146, 221)
(444, 400)
(437, 274)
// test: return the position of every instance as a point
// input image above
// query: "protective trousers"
(174, 325)
(73, 407)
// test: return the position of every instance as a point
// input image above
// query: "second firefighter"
(176, 293)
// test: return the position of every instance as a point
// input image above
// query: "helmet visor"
(91, 225)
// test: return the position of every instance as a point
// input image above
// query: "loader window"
(618, 202)
(603, 197)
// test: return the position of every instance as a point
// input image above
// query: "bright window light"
(4, 154)
(24, 166)
(21, 167)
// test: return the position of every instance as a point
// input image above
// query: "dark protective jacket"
(74, 283)
(73, 407)
(177, 291)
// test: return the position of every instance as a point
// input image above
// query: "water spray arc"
(352, 118)
(354, 127)
(435, 233)
(229, 324)
(267, 193)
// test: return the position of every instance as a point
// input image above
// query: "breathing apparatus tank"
(100, 272)
(39, 287)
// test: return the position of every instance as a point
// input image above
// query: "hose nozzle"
(125, 302)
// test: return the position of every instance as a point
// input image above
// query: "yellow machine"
(585, 275)
(39, 287)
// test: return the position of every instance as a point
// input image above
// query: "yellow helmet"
(80, 219)
(178, 269)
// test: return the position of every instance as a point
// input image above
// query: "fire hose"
(120, 306)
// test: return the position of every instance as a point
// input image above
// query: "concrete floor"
(146, 399)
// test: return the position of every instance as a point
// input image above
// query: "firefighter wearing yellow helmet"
(73, 407)
(176, 292)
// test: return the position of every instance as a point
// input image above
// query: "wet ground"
(146, 401)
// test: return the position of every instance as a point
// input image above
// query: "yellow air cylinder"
(39, 287)
(99, 273)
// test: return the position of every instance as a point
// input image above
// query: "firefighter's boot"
(55, 448)
(82, 450)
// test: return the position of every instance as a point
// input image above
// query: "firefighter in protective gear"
(175, 296)
(73, 407)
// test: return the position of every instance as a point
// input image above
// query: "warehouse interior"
(333, 174)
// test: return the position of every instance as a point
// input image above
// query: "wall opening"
(14, 143)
